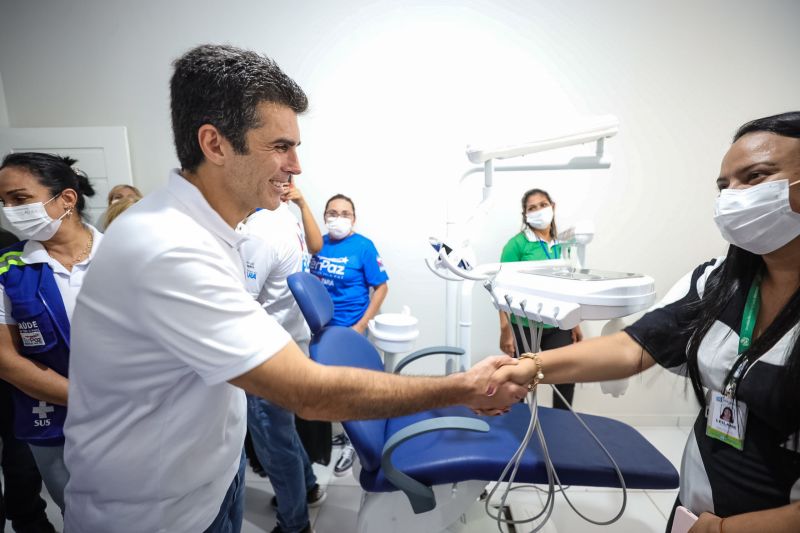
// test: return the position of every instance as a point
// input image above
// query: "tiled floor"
(646, 511)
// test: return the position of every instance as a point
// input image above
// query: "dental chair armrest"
(421, 496)
(432, 350)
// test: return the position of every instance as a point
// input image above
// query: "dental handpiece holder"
(394, 334)
(563, 296)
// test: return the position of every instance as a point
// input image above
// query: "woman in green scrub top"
(537, 241)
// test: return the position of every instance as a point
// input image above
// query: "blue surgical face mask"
(758, 219)
(31, 221)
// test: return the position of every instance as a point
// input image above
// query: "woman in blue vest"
(537, 241)
(43, 199)
(351, 269)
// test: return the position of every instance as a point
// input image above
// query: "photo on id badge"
(726, 420)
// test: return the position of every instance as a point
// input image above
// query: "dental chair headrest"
(313, 298)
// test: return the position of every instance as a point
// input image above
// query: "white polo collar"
(532, 237)
(34, 252)
(200, 210)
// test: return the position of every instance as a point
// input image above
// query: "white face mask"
(339, 227)
(540, 219)
(31, 221)
(758, 219)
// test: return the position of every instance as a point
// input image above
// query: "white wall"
(3, 110)
(398, 89)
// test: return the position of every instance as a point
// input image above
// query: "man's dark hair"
(223, 85)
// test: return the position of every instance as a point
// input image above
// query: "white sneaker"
(345, 462)
(340, 440)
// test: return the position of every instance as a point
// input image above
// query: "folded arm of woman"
(375, 302)
(32, 378)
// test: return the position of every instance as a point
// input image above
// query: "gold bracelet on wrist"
(539, 375)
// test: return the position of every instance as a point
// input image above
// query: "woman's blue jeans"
(283, 457)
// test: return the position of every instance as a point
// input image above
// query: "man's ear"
(214, 146)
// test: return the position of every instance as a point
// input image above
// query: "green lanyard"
(556, 249)
(749, 318)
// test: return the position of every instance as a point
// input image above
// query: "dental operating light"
(456, 244)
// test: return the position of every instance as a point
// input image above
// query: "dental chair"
(420, 473)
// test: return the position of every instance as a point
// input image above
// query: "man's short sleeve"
(192, 303)
(664, 331)
(374, 271)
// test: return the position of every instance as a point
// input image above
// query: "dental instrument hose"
(534, 426)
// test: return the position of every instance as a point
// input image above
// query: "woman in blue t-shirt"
(349, 267)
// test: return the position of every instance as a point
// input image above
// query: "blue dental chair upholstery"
(445, 446)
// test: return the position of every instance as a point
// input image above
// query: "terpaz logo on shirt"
(332, 265)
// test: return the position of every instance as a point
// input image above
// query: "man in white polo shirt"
(274, 249)
(165, 338)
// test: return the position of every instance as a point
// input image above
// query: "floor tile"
(641, 514)
(258, 513)
(670, 441)
(339, 513)
(663, 499)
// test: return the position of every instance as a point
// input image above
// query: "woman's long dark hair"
(735, 275)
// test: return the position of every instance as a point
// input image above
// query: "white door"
(102, 153)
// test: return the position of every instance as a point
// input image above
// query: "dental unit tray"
(562, 296)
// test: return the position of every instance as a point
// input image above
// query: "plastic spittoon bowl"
(394, 332)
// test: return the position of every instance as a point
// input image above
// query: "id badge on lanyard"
(727, 419)
(727, 416)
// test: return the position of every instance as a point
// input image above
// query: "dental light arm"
(596, 130)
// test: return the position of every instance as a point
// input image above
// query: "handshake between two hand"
(497, 383)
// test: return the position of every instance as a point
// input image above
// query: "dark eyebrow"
(283, 140)
(12, 191)
(744, 170)
(769, 164)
